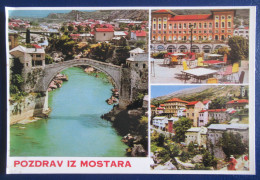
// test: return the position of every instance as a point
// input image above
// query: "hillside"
(141, 15)
(200, 93)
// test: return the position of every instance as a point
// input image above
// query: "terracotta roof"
(104, 30)
(217, 110)
(191, 17)
(206, 101)
(202, 111)
(152, 106)
(177, 100)
(192, 103)
(238, 101)
(140, 33)
(162, 105)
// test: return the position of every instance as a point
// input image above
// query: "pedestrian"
(246, 163)
(232, 163)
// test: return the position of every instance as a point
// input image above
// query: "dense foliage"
(181, 126)
(232, 144)
(102, 51)
(239, 48)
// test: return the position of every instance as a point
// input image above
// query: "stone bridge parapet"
(51, 70)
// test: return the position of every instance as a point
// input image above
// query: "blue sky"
(37, 13)
(157, 91)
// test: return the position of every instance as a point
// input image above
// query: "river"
(74, 126)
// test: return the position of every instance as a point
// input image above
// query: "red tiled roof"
(162, 105)
(152, 106)
(191, 17)
(177, 100)
(159, 108)
(202, 111)
(104, 30)
(206, 101)
(140, 33)
(216, 110)
(192, 103)
(238, 101)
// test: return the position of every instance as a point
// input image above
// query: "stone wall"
(31, 106)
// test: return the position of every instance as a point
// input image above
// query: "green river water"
(74, 126)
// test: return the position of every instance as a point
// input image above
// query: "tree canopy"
(232, 144)
(181, 126)
(239, 48)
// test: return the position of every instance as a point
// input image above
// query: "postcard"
(136, 90)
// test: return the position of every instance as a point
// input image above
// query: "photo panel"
(201, 128)
(203, 46)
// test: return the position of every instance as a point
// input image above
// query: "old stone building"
(104, 34)
(215, 132)
(137, 63)
(192, 111)
(196, 135)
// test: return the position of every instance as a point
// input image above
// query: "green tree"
(161, 139)
(64, 44)
(87, 29)
(208, 159)
(103, 51)
(80, 28)
(239, 48)
(64, 28)
(16, 79)
(181, 126)
(218, 103)
(140, 43)
(70, 28)
(191, 148)
(184, 156)
(232, 144)
(222, 50)
(48, 59)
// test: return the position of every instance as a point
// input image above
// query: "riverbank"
(28, 109)
(133, 126)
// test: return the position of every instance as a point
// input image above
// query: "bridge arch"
(50, 71)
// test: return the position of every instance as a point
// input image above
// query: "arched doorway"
(195, 49)
(171, 48)
(183, 48)
(206, 49)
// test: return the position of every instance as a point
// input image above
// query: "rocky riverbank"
(132, 125)
(57, 82)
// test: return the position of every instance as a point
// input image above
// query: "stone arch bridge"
(50, 71)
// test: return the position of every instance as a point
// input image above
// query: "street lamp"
(191, 28)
